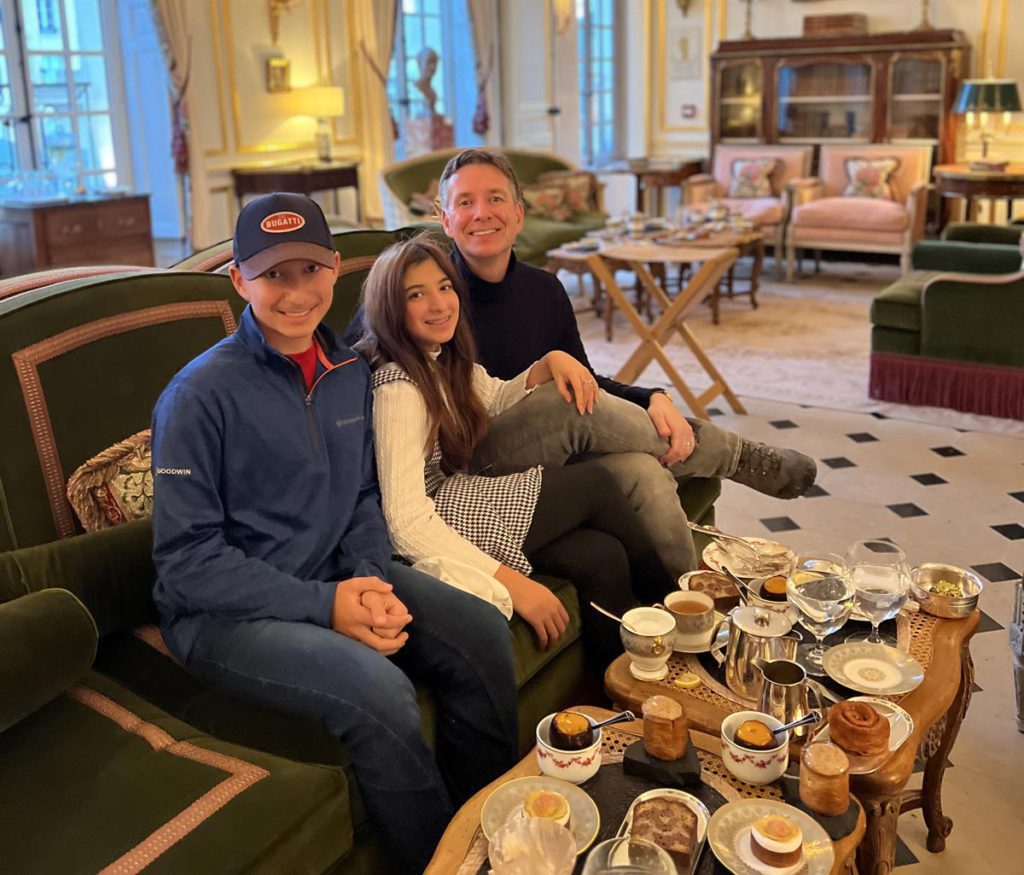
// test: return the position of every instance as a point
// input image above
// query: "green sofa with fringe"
(86, 780)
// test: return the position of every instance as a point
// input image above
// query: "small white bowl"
(753, 766)
(575, 766)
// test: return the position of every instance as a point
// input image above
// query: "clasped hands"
(367, 610)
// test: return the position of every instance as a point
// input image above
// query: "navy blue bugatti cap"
(279, 227)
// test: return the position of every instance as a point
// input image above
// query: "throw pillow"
(580, 188)
(869, 177)
(546, 201)
(424, 203)
(115, 486)
(752, 177)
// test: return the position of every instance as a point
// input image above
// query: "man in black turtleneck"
(519, 313)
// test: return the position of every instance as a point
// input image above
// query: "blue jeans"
(459, 646)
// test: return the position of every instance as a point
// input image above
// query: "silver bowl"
(922, 578)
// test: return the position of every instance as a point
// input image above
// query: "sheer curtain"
(375, 27)
(171, 20)
(481, 14)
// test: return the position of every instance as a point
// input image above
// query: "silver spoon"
(809, 717)
(622, 717)
(615, 617)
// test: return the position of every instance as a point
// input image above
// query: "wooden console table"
(937, 707)
(302, 178)
(73, 233)
(958, 180)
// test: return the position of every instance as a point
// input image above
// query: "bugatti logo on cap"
(281, 223)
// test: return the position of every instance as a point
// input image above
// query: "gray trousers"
(543, 429)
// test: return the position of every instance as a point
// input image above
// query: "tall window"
(54, 65)
(595, 20)
(442, 26)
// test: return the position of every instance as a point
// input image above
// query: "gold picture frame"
(279, 74)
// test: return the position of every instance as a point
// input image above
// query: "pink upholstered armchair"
(767, 213)
(890, 220)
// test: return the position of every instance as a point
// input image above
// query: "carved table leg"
(877, 852)
(939, 826)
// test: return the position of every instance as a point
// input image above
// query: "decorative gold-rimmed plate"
(772, 558)
(584, 818)
(901, 725)
(872, 668)
(729, 836)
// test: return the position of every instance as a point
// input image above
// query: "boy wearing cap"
(274, 574)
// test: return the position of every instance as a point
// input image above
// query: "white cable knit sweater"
(401, 434)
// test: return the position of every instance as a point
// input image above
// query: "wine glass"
(625, 855)
(879, 573)
(818, 587)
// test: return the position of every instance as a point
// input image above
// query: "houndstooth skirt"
(492, 513)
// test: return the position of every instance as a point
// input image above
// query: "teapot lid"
(761, 622)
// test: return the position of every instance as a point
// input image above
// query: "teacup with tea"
(694, 613)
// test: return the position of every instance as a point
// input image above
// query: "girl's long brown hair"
(460, 422)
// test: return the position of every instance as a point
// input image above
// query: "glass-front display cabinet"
(915, 99)
(739, 107)
(825, 100)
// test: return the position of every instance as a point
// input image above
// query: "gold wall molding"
(216, 33)
(661, 80)
(1004, 11)
(353, 95)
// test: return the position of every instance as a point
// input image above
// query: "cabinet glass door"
(825, 100)
(915, 102)
(739, 105)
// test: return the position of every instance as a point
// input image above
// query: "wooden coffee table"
(463, 849)
(937, 707)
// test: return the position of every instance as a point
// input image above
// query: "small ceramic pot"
(753, 766)
(575, 766)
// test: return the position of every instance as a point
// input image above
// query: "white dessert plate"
(584, 818)
(698, 645)
(901, 724)
(772, 557)
(872, 668)
(690, 801)
(729, 836)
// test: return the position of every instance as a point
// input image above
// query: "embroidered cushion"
(580, 188)
(547, 202)
(752, 177)
(115, 486)
(869, 177)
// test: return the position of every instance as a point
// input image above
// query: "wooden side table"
(958, 180)
(302, 178)
(463, 849)
(937, 707)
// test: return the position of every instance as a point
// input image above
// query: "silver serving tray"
(692, 802)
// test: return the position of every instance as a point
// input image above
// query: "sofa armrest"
(965, 257)
(974, 232)
(111, 571)
(699, 188)
(804, 190)
(974, 318)
(47, 644)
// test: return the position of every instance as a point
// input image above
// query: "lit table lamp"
(322, 102)
(987, 103)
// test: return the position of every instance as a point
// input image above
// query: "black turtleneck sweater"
(524, 316)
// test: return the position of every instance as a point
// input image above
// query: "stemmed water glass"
(628, 856)
(879, 573)
(818, 587)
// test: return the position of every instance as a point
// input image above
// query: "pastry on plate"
(670, 824)
(725, 593)
(549, 804)
(858, 728)
(776, 843)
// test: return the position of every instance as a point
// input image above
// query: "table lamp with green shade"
(987, 103)
(321, 102)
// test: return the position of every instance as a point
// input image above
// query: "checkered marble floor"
(944, 495)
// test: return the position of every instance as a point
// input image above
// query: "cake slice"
(670, 824)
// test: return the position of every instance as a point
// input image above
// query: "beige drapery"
(375, 29)
(171, 20)
(481, 15)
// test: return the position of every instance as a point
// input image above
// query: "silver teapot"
(755, 634)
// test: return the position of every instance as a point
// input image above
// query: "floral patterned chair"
(869, 198)
(752, 180)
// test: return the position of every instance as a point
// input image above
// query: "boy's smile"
(289, 300)
(431, 305)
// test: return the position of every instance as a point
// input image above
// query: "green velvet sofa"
(399, 182)
(81, 364)
(948, 333)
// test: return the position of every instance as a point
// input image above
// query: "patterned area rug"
(807, 343)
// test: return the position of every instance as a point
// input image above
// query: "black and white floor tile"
(945, 496)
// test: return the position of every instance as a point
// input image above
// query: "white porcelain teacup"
(754, 766)
(694, 613)
(647, 635)
(575, 766)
